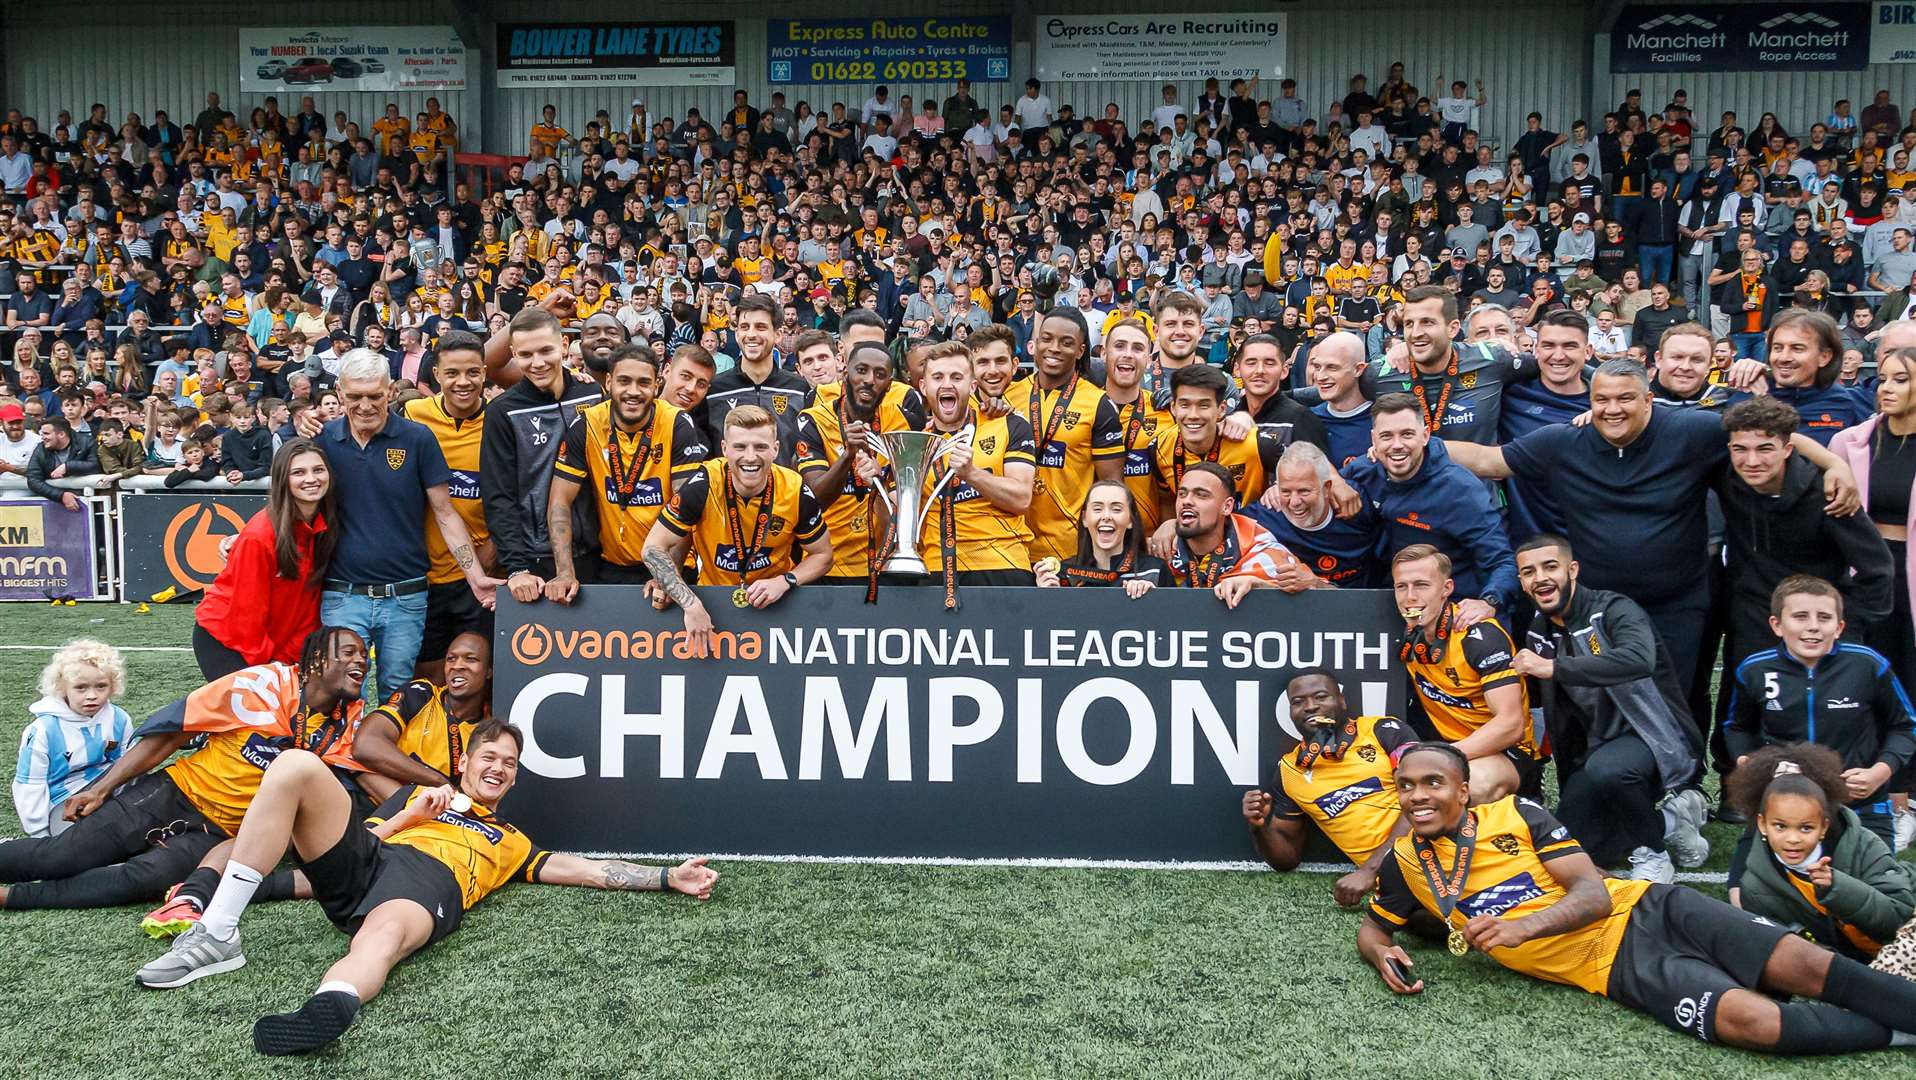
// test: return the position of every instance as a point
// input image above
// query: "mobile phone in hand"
(1401, 970)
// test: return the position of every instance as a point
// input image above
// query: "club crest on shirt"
(988, 444)
(1505, 843)
(395, 459)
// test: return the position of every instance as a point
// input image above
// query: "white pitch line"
(1698, 877)
(122, 648)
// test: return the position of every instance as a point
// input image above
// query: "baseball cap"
(342, 337)
(10, 413)
(1585, 218)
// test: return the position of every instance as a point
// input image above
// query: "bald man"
(1335, 368)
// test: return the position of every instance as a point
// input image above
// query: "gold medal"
(1458, 944)
(739, 598)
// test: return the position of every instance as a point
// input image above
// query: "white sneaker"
(193, 955)
(1647, 865)
(1683, 816)
(1905, 829)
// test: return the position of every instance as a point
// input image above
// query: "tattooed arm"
(453, 528)
(664, 551)
(691, 877)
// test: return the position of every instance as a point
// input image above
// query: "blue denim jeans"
(1749, 346)
(392, 627)
(1657, 261)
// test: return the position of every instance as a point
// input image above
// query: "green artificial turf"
(816, 970)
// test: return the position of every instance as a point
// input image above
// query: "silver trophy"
(912, 455)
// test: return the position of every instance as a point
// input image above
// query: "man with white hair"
(388, 471)
(1332, 552)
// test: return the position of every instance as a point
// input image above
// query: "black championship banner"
(1032, 723)
(172, 539)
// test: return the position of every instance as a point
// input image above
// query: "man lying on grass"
(396, 881)
(1512, 883)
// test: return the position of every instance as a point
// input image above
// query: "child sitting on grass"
(1817, 869)
(76, 734)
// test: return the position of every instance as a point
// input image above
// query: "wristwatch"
(791, 579)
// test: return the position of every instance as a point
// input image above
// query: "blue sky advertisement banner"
(938, 49)
(1756, 37)
(617, 54)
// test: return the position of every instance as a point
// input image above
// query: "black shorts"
(1682, 951)
(451, 610)
(1529, 772)
(360, 873)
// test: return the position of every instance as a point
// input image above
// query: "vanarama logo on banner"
(1046, 723)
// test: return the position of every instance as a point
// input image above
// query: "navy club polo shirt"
(381, 490)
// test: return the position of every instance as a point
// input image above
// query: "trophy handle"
(945, 447)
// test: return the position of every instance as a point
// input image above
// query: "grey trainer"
(194, 955)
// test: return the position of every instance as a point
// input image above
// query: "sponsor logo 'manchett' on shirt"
(1336, 802)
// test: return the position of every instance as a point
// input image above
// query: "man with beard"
(1075, 429)
(632, 451)
(747, 518)
(1529, 898)
(135, 832)
(1459, 389)
(524, 427)
(1619, 731)
(1332, 552)
(1338, 777)
(863, 327)
(994, 360)
(456, 418)
(757, 380)
(1127, 353)
(1805, 357)
(834, 457)
(397, 880)
(1415, 494)
(976, 531)
(1197, 406)
(1180, 321)
(600, 335)
(1463, 680)
(1630, 486)
(1215, 547)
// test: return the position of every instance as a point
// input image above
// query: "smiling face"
(1809, 625)
(947, 387)
(1796, 356)
(1421, 589)
(1683, 364)
(1619, 408)
(540, 354)
(1059, 344)
(342, 671)
(748, 456)
(308, 479)
(1398, 440)
(1427, 333)
(1548, 576)
(462, 379)
(994, 368)
(632, 385)
(1107, 516)
(1202, 502)
(489, 769)
(868, 380)
(468, 669)
(1432, 791)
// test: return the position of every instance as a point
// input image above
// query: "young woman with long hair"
(266, 600)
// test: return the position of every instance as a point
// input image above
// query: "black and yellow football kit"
(445, 864)
(629, 473)
(423, 145)
(392, 132)
(1351, 799)
(427, 732)
(1509, 877)
(1669, 952)
(984, 537)
(771, 525)
(549, 136)
(1450, 686)
(1072, 428)
(1251, 460)
(821, 438)
(248, 718)
(750, 270)
(900, 395)
(459, 441)
(1141, 421)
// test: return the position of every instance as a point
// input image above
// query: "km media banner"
(46, 550)
(1032, 723)
(351, 58)
(1741, 37)
(1163, 47)
(172, 539)
(888, 50)
(617, 54)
